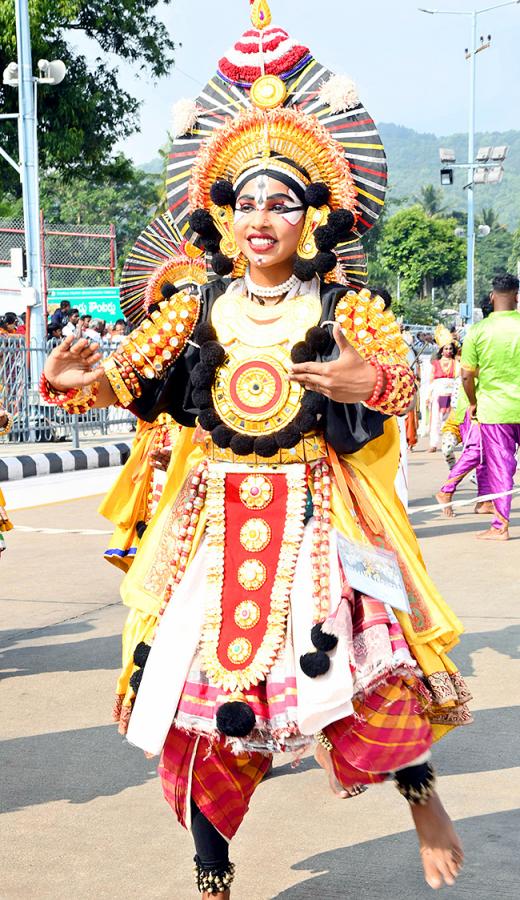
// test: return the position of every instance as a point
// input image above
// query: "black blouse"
(347, 427)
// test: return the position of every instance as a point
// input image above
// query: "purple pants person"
(472, 457)
(495, 446)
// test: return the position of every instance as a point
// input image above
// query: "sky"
(409, 67)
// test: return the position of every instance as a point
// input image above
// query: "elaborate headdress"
(272, 107)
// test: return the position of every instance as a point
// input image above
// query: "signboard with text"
(98, 302)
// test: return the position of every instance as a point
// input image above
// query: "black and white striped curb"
(25, 466)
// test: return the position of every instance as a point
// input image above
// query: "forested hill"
(413, 160)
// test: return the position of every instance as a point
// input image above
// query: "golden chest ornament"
(251, 392)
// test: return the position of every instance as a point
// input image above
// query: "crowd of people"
(67, 321)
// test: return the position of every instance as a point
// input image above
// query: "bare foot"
(484, 508)
(324, 759)
(494, 534)
(443, 497)
(441, 851)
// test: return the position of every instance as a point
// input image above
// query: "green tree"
(491, 256)
(488, 216)
(422, 250)
(513, 262)
(81, 119)
(129, 199)
(430, 198)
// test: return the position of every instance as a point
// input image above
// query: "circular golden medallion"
(255, 535)
(239, 650)
(267, 92)
(254, 396)
(252, 574)
(247, 614)
(256, 491)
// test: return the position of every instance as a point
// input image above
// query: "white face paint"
(263, 194)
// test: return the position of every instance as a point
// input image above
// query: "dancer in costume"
(444, 371)
(491, 380)
(283, 378)
(6, 423)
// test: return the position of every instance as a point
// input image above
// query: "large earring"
(239, 266)
(313, 219)
(224, 220)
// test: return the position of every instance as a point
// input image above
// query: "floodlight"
(52, 72)
(498, 154)
(446, 177)
(484, 153)
(483, 230)
(460, 232)
(495, 175)
(10, 75)
(480, 176)
(447, 156)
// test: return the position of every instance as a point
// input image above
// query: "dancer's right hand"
(71, 365)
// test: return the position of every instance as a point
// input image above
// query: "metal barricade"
(39, 422)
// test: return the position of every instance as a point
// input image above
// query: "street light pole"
(28, 150)
(470, 249)
(471, 55)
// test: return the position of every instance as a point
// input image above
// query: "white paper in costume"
(169, 660)
(327, 698)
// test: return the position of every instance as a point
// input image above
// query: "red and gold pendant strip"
(237, 599)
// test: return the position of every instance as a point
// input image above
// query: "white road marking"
(45, 489)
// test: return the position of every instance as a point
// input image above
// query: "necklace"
(261, 291)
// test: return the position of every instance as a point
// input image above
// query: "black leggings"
(212, 849)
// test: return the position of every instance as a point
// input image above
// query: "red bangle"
(378, 388)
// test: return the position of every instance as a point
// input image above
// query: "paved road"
(83, 813)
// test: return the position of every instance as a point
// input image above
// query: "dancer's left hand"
(348, 379)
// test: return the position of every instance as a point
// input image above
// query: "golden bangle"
(5, 429)
(115, 379)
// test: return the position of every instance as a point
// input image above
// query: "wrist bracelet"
(378, 388)
(5, 429)
(75, 401)
(117, 382)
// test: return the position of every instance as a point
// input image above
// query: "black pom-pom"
(235, 719)
(204, 333)
(318, 339)
(154, 307)
(222, 193)
(242, 445)
(209, 419)
(341, 222)
(325, 237)
(321, 640)
(221, 264)
(202, 223)
(266, 446)
(136, 679)
(211, 245)
(202, 399)
(140, 528)
(325, 262)
(212, 354)
(313, 402)
(202, 376)
(305, 421)
(287, 438)
(314, 664)
(222, 436)
(317, 194)
(304, 269)
(141, 653)
(301, 353)
(168, 290)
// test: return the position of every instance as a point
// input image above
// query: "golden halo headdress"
(267, 73)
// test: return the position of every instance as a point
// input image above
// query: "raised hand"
(71, 365)
(348, 379)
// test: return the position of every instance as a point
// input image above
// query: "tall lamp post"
(471, 54)
(19, 74)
